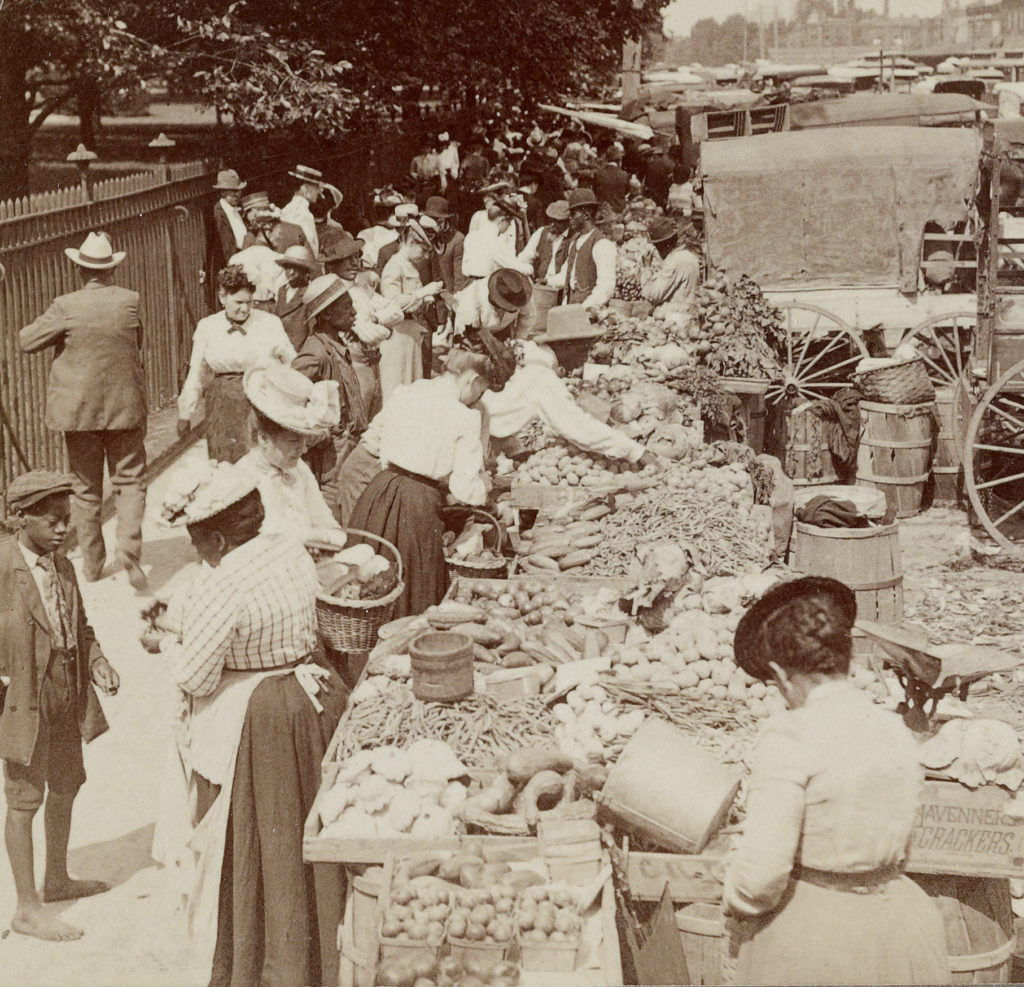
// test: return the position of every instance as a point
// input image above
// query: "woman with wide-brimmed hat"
(290, 414)
(258, 710)
(816, 890)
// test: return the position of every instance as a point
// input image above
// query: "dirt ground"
(135, 932)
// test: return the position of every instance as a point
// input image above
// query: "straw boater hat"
(568, 324)
(30, 488)
(195, 495)
(96, 253)
(229, 181)
(290, 399)
(299, 255)
(257, 202)
(322, 292)
(310, 175)
(508, 290)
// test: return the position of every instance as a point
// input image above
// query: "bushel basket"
(902, 383)
(351, 625)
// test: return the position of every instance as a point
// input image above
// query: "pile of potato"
(561, 464)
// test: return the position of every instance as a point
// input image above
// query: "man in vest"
(549, 246)
(589, 273)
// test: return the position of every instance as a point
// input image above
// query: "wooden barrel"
(895, 452)
(808, 458)
(702, 933)
(979, 926)
(866, 559)
(367, 889)
(946, 464)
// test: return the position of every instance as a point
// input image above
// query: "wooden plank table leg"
(329, 887)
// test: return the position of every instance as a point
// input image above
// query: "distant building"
(984, 23)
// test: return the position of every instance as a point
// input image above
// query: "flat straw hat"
(307, 175)
(96, 253)
(322, 292)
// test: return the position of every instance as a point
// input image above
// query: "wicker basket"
(351, 625)
(902, 383)
(482, 570)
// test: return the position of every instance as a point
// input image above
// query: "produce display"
(478, 730)
(390, 792)
(448, 971)
(634, 258)
(741, 328)
(711, 508)
(469, 545)
(417, 911)
(548, 914)
(561, 463)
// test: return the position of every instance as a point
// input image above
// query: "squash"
(548, 786)
(526, 762)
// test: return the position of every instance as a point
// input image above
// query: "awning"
(638, 131)
(887, 109)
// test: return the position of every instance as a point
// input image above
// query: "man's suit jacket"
(96, 378)
(451, 264)
(25, 647)
(293, 315)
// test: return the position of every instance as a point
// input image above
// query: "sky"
(680, 15)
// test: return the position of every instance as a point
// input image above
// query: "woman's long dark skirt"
(267, 929)
(228, 423)
(404, 510)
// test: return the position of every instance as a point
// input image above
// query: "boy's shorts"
(56, 762)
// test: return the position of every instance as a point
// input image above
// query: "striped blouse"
(256, 610)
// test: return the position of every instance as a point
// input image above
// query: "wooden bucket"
(895, 452)
(979, 926)
(866, 559)
(808, 458)
(544, 298)
(705, 945)
(442, 666)
(946, 464)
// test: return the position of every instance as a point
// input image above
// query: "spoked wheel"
(960, 415)
(994, 459)
(945, 343)
(821, 351)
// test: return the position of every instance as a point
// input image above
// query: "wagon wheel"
(945, 342)
(820, 353)
(993, 457)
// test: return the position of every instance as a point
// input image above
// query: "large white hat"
(197, 494)
(292, 400)
(96, 253)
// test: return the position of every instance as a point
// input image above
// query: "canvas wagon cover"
(834, 207)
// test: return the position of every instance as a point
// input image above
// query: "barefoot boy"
(49, 661)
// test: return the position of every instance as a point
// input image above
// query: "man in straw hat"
(311, 187)
(96, 396)
(536, 391)
(50, 662)
(300, 267)
(672, 287)
(228, 225)
(589, 274)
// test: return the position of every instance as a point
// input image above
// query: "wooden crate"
(690, 877)
(959, 831)
(564, 583)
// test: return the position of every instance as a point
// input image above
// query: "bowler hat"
(508, 290)
(580, 198)
(307, 175)
(746, 643)
(299, 255)
(95, 253)
(437, 208)
(559, 209)
(32, 487)
(566, 324)
(229, 181)
(661, 228)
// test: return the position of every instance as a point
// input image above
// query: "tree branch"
(48, 107)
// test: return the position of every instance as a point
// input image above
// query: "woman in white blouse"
(816, 887)
(291, 413)
(429, 441)
(224, 346)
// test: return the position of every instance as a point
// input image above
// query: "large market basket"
(482, 570)
(351, 625)
(901, 383)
